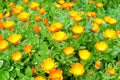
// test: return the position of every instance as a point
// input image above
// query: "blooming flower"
(98, 21)
(69, 50)
(84, 54)
(16, 56)
(77, 69)
(109, 34)
(98, 64)
(56, 74)
(17, 9)
(48, 64)
(34, 5)
(111, 71)
(36, 29)
(77, 29)
(8, 24)
(59, 36)
(28, 48)
(39, 78)
(101, 46)
(42, 11)
(24, 16)
(15, 38)
(99, 4)
(3, 44)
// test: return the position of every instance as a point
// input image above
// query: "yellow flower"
(84, 54)
(16, 56)
(59, 36)
(57, 5)
(111, 71)
(3, 45)
(25, 1)
(73, 14)
(8, 24)
(24, 16)
(7, 15)
(98, 21)
(77, 18)
(42, 11)
(61, 1)
(107, 18)
(109, 34)
(112, 21)
(69, 50)
(77, 69)
(17, 9)
(101, 46)
(56, 74)
(15, 38)
(34, 5)
(95, 27)
(39, 78)
(48, 64)
(98, 64)
(1, 15)
(27, 48)
(77, 29)
(99, 4)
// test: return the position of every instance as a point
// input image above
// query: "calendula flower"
(98, 64)
(48, 64)
(15, 38)
(99, 4)
(73, 14)
(28, 48)
(16, 56)
(34, 5)
(84, 54)
(77, 29)
(75, 36)
(69, 50)
(57, 5)
(109, 34)
(101, 46)
(91, 1)
(37, 18)
(8, 24)
(61, 1)
(57, 26)
(46, 21)
(77, 69)
(24, 16)
(2, 25)
(118, 33)
(111, 71)
(59, 36)
(95, 27)
(12, 4)
(90, 14)
(3, 44)
(98, 21)
(70, 4)
(42, 11)
(56, 74)
(90, 73)
(77, 18)
(17, 9)
(1, 16)
(107, 18)
(1, 37)
(39, 78)
(25, 1)
(112, 21)
(36, 29)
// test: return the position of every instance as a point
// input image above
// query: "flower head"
(69, 50)
(111, 71)
(34, 5)
(39, 78)
(3, 44)
(98, 64)
(77, 29)
(16, 56)
(24, 16)
(28, 48)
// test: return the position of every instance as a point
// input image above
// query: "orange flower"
(34, 71)
(39, 78)
(118, 33)
(11, 4)
(77, 69)
(23, 16)
(111, 71)
(1, 25)
(101, 46)
(36, 29)
(73, 14)
(109, 34)
(77, 18)
(77, 29)
(17, 9)
(15, 38)
(48, 64)
(1, 15)
(59, 36)
(84, 54)
(1, 38)
(16, 56)
(98, 21)
(25, 1)
(70, 4)
(98, 64)
(34, 5)
(69, 50)
(75, 36)
(8, 24)
(61, 1)
(56, 74)
(27, 48)
(95, 27)
(37, 18)
(42, 11)
(3, 44)
(46, 21)
(99, 4)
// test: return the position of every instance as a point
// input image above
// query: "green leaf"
(1, 63)
(28, 72)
